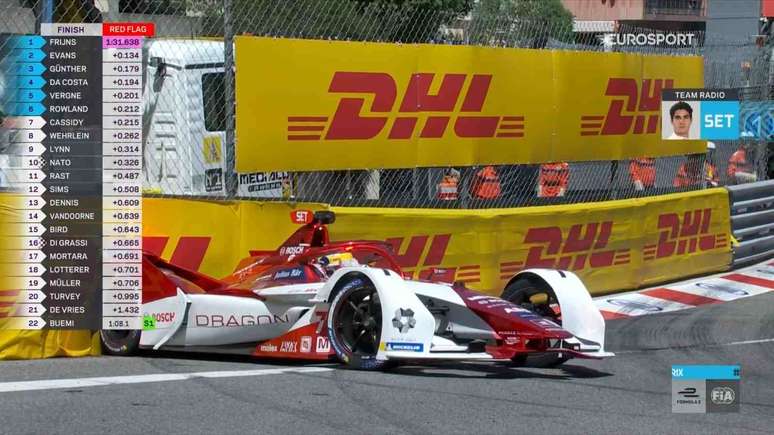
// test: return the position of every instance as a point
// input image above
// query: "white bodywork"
(580, 316)
(219, 320)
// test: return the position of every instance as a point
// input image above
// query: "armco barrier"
(752, 221)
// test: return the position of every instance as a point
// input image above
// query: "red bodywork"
(516, 330)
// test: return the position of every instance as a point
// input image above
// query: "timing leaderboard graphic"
(74, 110)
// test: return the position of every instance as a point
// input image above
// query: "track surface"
(626, 394)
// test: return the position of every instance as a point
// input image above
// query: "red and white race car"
(317, 300)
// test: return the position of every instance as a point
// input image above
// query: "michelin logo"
(408, 347)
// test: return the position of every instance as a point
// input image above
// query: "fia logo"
(722, 395)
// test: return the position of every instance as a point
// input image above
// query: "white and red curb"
(738, 284)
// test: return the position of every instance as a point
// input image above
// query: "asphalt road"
(630, 393)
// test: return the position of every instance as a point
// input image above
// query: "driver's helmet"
(339, 259)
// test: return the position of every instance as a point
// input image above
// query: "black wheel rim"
(115, 337)
(358, 322)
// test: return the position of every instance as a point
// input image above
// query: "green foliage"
(372, 20)
(521, 22)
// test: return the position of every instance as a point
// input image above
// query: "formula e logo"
(404, 320)
(629, 99)
(349, 122)
(684, 234)
(323, 345)
(584, 245)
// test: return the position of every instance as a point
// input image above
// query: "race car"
(313, 299)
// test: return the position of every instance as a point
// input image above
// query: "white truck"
(184, 123)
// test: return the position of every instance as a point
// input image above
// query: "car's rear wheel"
(355, 325)
(119, 342)
(535, 295)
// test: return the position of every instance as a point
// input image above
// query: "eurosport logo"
(436, 112)
(649, 39)
(582, 246)
(685, 233)
(635, 108)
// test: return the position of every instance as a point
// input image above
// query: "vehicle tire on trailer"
(119, 342)
(533, 294)
(355, 325)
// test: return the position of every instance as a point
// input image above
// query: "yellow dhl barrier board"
(17, 344)
(324, 105)
(612, 246)
(221, 234)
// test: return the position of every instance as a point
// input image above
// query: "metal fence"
(189, 97)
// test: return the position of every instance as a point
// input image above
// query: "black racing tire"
(119, 342)
(355, 325)
(520, 292)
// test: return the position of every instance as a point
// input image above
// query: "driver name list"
(77, 123)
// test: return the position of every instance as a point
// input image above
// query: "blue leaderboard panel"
(72, 259)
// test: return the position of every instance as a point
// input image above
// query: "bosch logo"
(292, 250)
(164, 317)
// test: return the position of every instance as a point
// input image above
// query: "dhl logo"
(583, 246)
(684, 235)
(189, 252)
(629, 99)
(420, 260)
(8, 301)
(352, 122)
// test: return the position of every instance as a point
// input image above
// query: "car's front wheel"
(533, 294)
(119, 342)
(355, 325)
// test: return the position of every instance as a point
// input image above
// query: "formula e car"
(314, 299)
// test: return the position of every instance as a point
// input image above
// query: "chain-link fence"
(189, 102)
